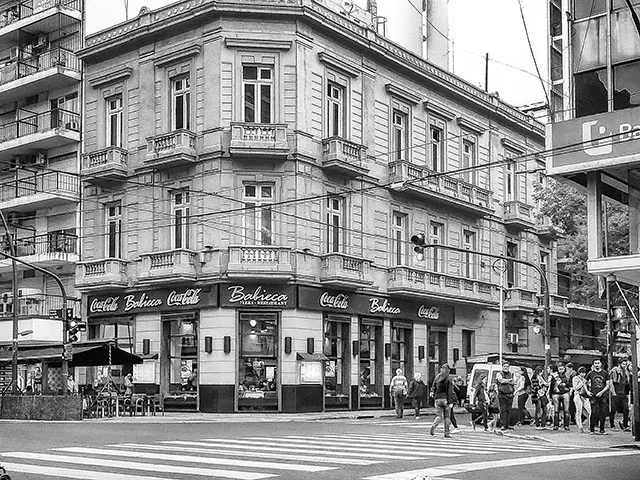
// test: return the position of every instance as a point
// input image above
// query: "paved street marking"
(48, 471)
(478, 466)
(102, 462)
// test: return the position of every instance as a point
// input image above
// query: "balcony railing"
(258, 139)
(108, 272)
(340, 269)
(171, 149)
(50, 243)
(344, 156)
(30, 64)
(11, 11)
(174, 264)
(110, 162)
(31, 123)
(54, 183)
(246, 261)
(518, 213)
(428, 183)
(517, 298)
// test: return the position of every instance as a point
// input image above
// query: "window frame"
(400, 134)
(117, 114)
(257, 85)
(114, 220)
(468, 258)
(185, 95)
(399, 238)
(338, 124)
(440, 146)
(256, 208)
(181, 219)
(437, 255)
(335, 232)
(469, 161)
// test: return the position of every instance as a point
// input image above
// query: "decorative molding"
(110, 77)
(258, 43)
(403, 93)
(471, 125)
(439, 109)
(165, 59)
(507, 142)
(336, 63)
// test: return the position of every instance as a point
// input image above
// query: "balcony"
(264, 262)
(340, 270)
(53, 249)
(626, 268)
(518, 214)
(39, 131)
(258, 140)
(410, 281)
(520, 299)
(102, 274)
(32, 73)
(35, 17)
(558, 305)
(33, 314)
(451, 192)
(173, 149)
(344, 157)
(32, 191)
(171, 265)
(106, 165)
(546, 229)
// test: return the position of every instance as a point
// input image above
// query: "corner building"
(253, 172)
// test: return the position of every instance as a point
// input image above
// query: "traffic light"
(72, 330)
(419, 241)
(538, 315)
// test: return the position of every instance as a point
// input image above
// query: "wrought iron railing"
(49, 182)
(30, 64)
(50, 243)
(31, 123)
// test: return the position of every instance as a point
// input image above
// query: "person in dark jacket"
(441, 391)
(481, 400)
(560, 388)
(417, 393)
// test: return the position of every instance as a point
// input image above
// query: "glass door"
(179, 367)
(336, 375)
(371, 364)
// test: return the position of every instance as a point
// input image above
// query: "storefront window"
(401, 346)
(371, 365)
(336, 377)
(121, 331)
(626, 83)
(257, 380)
(184, 355)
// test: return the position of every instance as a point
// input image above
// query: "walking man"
(441, 392)
(417, 393)
(597, 386)
(399, 390)
(506, 387)
(619, 401)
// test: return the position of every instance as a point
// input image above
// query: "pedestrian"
(398, 390)
(481, 400)
(571, 373)
(417, 393)
(453, 400)
(128, 385)
(506, 387)
(494, 407)
(550, 409)
(597, 386)
(441, 391)
(580, 398)
(619, 401)
(521, 394)
(539, 389)
(560, 388)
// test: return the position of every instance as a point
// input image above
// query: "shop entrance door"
(437, 350)
(337, 386)
(179, 362)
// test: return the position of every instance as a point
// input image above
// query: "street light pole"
(14, 336)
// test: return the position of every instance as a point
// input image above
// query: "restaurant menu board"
(145, 372)
(310, 372)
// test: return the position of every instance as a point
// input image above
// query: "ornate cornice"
(338, 64)
(471, 125)
(439, 109)
(403, 93)
(261, 43)
(162, 60)
(110, 77)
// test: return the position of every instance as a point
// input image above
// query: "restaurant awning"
(85, 354)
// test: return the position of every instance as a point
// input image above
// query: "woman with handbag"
(481, 401)
(417, 393)
(539, 398)
(398, 389)
(580, 398)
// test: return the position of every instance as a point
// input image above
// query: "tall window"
(258, 222)
(335, 110)
(437, 148)
(335, 227)
(437, 238)
(400, 132)
(181, 219)
(401, 348)
(181, 103)
(337, 368)
(257, 87)
(399, 232)
(114, 121)
(468, 243)
(468, 343)
(114, 230)
(510, 181)
(468, 159)
(512, 252)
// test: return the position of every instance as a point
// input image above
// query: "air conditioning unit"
(40, 158)
(13, 218)
(512, 338)
(41, 41)
(14, 163)
(13, 53)
(75, 126)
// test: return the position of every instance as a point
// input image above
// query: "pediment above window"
(112, 76)
(471, 125)
(338, 64)
(507, 142)
(258, 43)
(403, 93)
(439, 109)
(162, 60)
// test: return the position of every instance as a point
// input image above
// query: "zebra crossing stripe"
(243, 453)
(102, 462)
(49, 471)
(195, 459)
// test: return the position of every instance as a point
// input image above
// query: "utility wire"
(533, 56)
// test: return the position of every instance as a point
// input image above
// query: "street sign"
(500, 266)
(67, 351)
(55, 314)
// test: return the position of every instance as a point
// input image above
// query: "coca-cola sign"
(267, 295)
(430, 313)
(154, 300)
(339, 301)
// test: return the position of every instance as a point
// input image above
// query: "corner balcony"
(344, 157)
(33, 314)
(54, 249)
(626, 268)
(170, 265)
(101, 274)
(258, 140)
(173, 149)
(36, 16)
(518, 214)
(340, 270)
(410, 281)
(447, 190)
(106, 165)
(32, 191)
(545, 228)
(559, 305)
(32, 73)
(520, 299)
(264, 262)
(39, 131)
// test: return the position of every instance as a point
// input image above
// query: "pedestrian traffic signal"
(72, 330)
(538, 315)
(419, 241)
(69, 314)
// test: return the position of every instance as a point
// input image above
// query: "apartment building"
(252, 174)
(40, 79)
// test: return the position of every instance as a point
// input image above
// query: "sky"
(476, 27)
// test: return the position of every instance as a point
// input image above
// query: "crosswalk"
(257, 457)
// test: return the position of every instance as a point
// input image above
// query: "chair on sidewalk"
(136, 404)
(157, 403)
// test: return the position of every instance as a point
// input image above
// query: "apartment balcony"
(626, 268)
(106, 165)
(410, 281)
(450, 191)
(518, 214)
(32, 73)
(38, 131)
(258, 140)
(264, 262)
(32, 191)
(545, 228)
(340, 270)
(344, 157)
(171, 265)
(520, 299)
(33, 309)
(173, 149)
(558, 305)
(102, 274)
(36, 17)
(53, 249)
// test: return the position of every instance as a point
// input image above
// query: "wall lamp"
(208, 344)
(287, 345)
(355, 348)
(310, 345)
(227, 344)
(146, 346)
(421, 352)
(387, 350)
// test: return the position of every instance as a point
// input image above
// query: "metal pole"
(501, 330)
(14, 339)
(635, 388)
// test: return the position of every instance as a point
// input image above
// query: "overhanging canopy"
(85, 354)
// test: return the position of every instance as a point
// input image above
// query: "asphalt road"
(345, 449)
